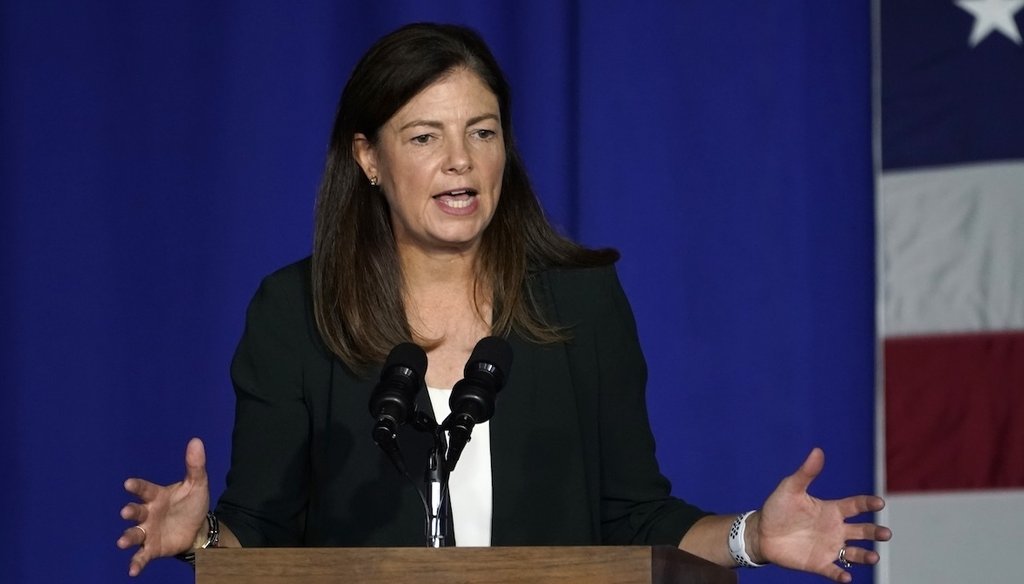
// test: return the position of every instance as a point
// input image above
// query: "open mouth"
(456, 199)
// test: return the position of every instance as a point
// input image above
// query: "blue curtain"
(160, 158)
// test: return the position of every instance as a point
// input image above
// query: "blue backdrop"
(160, 158)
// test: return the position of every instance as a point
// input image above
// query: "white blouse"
(469, 486)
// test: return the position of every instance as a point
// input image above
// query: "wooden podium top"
(543, 565)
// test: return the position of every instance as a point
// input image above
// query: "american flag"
(950, 207)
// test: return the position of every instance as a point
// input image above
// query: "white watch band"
(738, 545)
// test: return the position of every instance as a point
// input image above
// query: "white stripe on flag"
(953, 249)
(953, 537)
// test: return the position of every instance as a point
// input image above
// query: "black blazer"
(571, 446)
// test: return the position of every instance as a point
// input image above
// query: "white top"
(469, 486)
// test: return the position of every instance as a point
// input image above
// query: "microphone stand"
(436, 480)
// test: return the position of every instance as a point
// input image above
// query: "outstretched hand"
(798, 531)
(167, 517)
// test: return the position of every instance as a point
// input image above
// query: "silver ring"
(842, 558)
(142, 529)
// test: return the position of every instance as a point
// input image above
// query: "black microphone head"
(400, 380)
(472, 399)
(485, 374)
(409, 355)
(494, 351)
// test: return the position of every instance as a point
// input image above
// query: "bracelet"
(212, 539)
(738, 546)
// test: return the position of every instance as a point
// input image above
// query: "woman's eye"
(485, 134)
(422, 139)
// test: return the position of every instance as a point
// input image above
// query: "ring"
(842, 558)
(144, 534)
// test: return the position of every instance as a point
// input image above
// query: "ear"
(365, 155)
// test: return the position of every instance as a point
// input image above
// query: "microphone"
(392, 402)
(472, 399)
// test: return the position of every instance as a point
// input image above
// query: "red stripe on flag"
(954, 412)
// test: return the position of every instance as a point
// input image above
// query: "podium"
(542, 565)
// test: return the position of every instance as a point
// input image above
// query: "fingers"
(856, 505)
(859, 555)
(139, 561)
(867, 532)
(852, 554)
(132, 536)
(142, 489)
(195, 461)
(135, 512)
(837, 574)
(882, 533)
(808, 471)
(860, 531)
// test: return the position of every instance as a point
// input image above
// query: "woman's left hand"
(798, 531)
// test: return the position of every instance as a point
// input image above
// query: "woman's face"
(439, 161)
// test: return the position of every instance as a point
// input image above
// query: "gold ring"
(142, 529)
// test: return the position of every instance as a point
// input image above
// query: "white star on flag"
(991, 16)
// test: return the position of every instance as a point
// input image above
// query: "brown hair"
(357, 279)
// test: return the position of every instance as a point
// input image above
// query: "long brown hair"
(357, 279)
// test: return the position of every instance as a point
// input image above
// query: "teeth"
(457, 204)
(457, 199)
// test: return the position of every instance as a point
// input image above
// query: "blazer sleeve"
(266, 497)
(636, 504)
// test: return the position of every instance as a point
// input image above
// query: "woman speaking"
(428, 231)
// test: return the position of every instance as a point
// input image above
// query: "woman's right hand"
(168, 518)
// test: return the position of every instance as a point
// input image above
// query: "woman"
(427, 230)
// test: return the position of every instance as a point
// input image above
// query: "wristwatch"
(212, 539)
